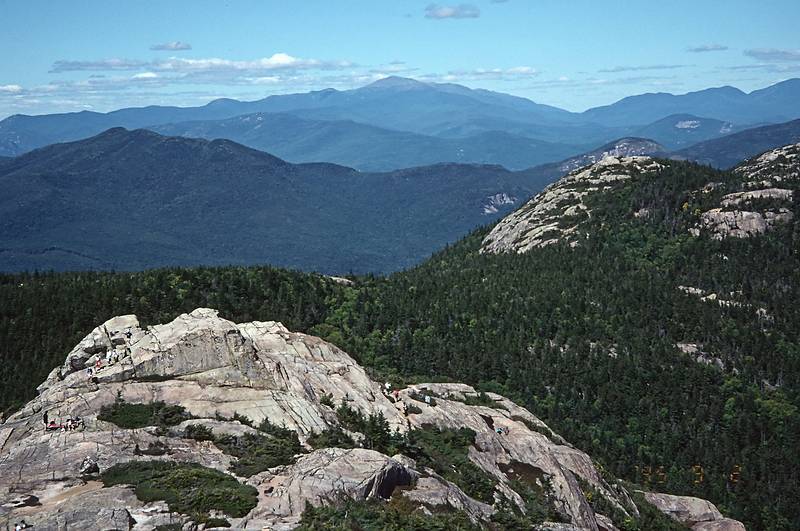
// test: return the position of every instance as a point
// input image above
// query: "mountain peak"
(560, 212)
(396, 82)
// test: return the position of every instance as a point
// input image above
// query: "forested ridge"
(585, 337)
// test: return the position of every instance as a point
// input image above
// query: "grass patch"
(187, 488)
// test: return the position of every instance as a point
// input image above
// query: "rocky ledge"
(558, 212)
(221, 374)
(765, 198)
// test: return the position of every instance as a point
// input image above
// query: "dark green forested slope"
(585, 337)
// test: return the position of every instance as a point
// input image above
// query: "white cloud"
(145, 75)
(174, 46)
(439, 12)
(523, 70)
(11, 89)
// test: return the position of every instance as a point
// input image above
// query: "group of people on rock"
(72, 423)
(21, 525)
(501, 430)
(387, 390)
(112, 356)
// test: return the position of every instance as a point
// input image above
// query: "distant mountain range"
(777, 103)
(680, 130)
(727, 151)
(130, 200)
(367, 147)
(399, 122)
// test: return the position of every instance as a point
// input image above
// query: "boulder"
(87, 507)
(741, 223)
(696, 513)
(325, 476)
(434, 492)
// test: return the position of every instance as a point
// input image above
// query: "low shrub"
(256, 452)
(131, 416)
(351, 515)
(375, 429)
(445, 451)
(327, 400)
(198, 432)
(331, 438)
(187, 488)
(217, 522)
(412, 409)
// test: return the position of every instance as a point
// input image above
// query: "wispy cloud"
(437, 11)
(104, 65)
(639, 68)
(494, 74)
(178, 65)
(773, 68)
(394, 68)
(773, 54)
(707, 48)
(174, 46)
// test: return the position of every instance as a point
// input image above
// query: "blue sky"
(102, 55)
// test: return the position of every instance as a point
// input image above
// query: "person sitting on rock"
(89, 373)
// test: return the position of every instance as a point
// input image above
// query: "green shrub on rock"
(187, 488)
